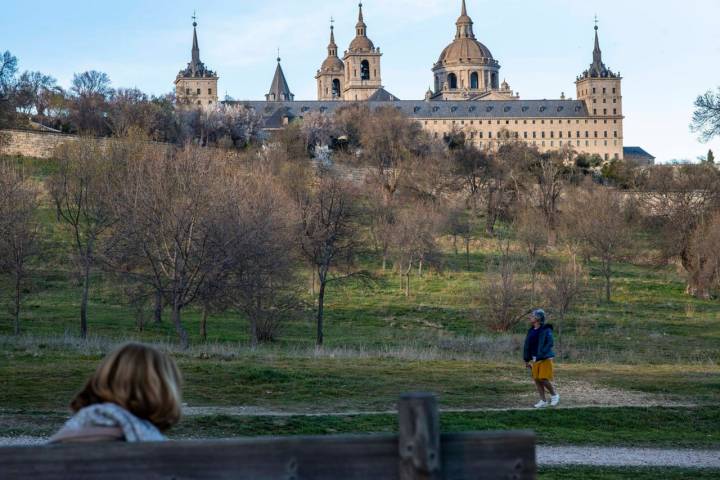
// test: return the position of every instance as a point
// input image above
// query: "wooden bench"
(418, 452)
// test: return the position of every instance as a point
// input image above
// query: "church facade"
(467, 96)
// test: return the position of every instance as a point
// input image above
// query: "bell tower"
(362, 65)
(331, 76)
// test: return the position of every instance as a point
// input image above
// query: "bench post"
(419, 437)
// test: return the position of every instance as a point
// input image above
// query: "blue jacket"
(545, 344)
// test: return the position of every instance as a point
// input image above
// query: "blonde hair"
(141, 380)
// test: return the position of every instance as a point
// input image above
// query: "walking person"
(538, 355)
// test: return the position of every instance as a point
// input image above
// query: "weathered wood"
(419, 437)
(418, 452)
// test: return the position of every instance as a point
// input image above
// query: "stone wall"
(27, 143)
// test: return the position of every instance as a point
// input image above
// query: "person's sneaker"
(541, 404)
(554, 400)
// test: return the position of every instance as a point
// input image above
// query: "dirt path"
(549, 456)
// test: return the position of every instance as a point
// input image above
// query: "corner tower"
(601, 90)
(331, 76)
(196, 84)
(362, 65)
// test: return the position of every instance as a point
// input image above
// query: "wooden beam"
(419, 440)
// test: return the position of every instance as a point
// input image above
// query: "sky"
(667, 51)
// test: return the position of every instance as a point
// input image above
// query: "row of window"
(507, 122)
(594, 91)
(560, 134)
(187, 91)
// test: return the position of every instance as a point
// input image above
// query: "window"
(594, 90)
(606, 134)
(587, 134)
(198, 91)
(452, 81)
(604, 90)
(474, 83)
(617, 156)
(614, 111)
(187, 91)
(594, 111)
(489, 134)
(543, 136)
(615, 134)
(336, 87)
(596, 135)
(614, 90)
(525, 135)
(604, 111)
(578, 134)
(209, 91)
(365, 70)
(534, 134)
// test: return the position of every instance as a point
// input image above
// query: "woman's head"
(140, 379)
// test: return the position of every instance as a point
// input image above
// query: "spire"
(279, 89)
(598, 68)
(464, 24)
(361, 28)
(195, 63)
(332, 47)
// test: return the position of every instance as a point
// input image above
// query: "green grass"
(634, 427)
(605, 473)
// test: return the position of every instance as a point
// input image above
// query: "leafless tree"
(677, 201)
(18, 230)
(414, 242)
(606, 233)
(165, 209)
(328, 233)
(254, 254)
(81, 190)
(505, 295)
(706, 118)
(532, 234)
(550, 172)
(562, 287)
(704, 258)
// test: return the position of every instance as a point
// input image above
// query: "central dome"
(465, 50)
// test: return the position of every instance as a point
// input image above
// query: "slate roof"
(639, 155)
(273, 112)
(279, 88)
(382, 95)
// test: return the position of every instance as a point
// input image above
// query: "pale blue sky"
(667, 51)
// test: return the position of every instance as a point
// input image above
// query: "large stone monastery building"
(467, 95)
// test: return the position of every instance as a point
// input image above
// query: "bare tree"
(328, 234)
(81, 190)
(562, 287)
(606, 233)
(704, 258)
(550, 172)
(18, 230)
(414, 243)
(254, 255)
(677, 201)
(533, 235)
(165, 208)
(505, 295)
(706, 118)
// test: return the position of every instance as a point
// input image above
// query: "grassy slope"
(652, 338)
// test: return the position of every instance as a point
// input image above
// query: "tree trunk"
(608, 274)
(16, 312)
(420, 269)
(158, 306)
(177, 321)
(320, 312)
(467, 253)
(84, 300)
(455, 244)
(203, 324)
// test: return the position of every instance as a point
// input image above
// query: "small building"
(638, 156)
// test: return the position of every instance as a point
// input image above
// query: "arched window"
(474, 83)
(452, 81)
(336, 88)
(365, 70)
(494, 80)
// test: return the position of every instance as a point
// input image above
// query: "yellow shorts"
(543, 370)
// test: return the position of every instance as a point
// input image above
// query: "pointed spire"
(361, 28)
(332, 47)
(464, 24)
(279, 89)
(597, 67)
(195, 63)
